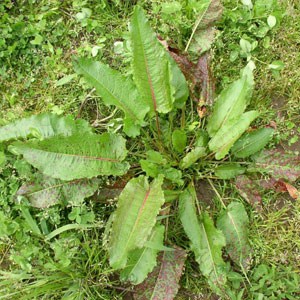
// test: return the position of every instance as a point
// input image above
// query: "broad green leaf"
(162, 283)
(231, 103)
(46, 191)
(226, 137)
(206, 241)
(138, 206)
(229, 171)
(179, 140)
(234, 222)
(179, 83)
(192, 157)
(151, 66)
(77, 156)
(142, 261)
(204, 31)
(252, 142)
(43, 126)
(115, 89)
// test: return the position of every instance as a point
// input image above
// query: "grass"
(75, 265)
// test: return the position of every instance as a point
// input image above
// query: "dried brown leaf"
(279, 164)
(204, 32)
(250, 191)
(162, 282)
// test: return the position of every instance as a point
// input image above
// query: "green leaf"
(231, 103)
(38, 39)
(151, 66)
(153, 170)
(263, 8)
(171, 7)
(204, 31)
(277, 65)
(43, 126)
(115, 89)
(46, 191)
(271, 21)
(66, 79)
(2, 159)
(142, 261)
(234, 224)
(192, 157)
(229, 171)
(77, 156)
(179, 140)
(162, 283)
(173, 175)
(202, 138)
(252, 142)
(226, 137)
(138, 206)
(206, 241)
(156, 157)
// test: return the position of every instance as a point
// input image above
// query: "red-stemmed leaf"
(162, 282)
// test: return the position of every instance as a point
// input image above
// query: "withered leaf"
(162, 282)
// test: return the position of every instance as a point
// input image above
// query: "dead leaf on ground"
(162, 282)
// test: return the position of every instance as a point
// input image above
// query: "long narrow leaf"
(206, 241)
(115, 89)
(138, 206)
(151, 66)
(77, 156)
(142, 261)
(44, 125)
(252, 142)
(231, 103)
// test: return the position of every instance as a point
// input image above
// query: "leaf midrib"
(138, 217)
(210, 252)
(75, 155)
(122, 104)
(238, 234)
(153, 96)
(52, 187)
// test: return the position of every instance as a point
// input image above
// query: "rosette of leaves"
(71, 156)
